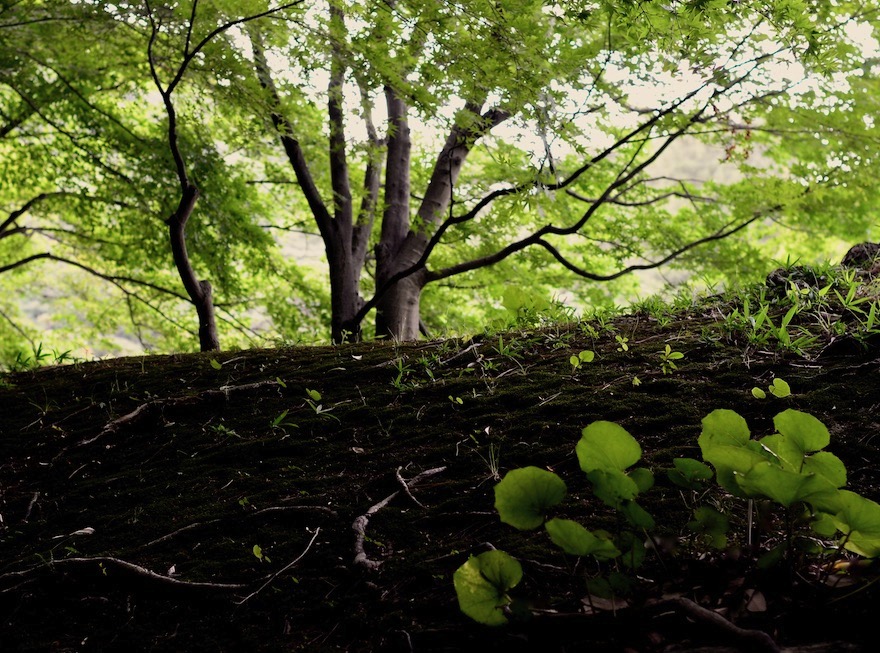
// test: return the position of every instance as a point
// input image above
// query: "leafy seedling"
(668, 358)
(482, 584)
(585, 356)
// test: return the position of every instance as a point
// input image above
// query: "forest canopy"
(182, 175)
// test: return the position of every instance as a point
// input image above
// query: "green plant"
(668, 358)
(788, 469)
(778, 388)
(576, 360)
(312, 399)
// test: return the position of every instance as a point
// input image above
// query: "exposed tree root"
(754, 640)
(103, 565)
(152, 409)
(360, 524)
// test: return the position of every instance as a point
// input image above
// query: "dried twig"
(360, 524)
(282, 570)
(405, 487)
(151, 408)
(103, 563)
(201, 524)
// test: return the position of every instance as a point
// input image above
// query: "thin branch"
(283, 569)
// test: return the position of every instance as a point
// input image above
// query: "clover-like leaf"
(606, 445)
(524, 495)
(780, 388)
(711, 524)
(482, 583)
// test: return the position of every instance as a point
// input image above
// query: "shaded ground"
(218, 461)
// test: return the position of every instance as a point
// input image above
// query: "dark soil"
(208, 469)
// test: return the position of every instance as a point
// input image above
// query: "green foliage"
(482, 584)
(788, 469)
(524, 495)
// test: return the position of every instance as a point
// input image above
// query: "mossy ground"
(214, 460)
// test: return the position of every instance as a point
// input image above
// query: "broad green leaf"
(757, 393)
(802, 429)
(482, 583)
(643, 478)
(859, 521)
(729, 460)
(524, 495)
(783, 451)
(823, 524)
(632, 550)
(586, 356)
(637, 516)
(723, 427)
(692, 469)
(314, 395)
(712, 524)
(828, 466)
(574, 539)
(783, 486)
(605, 445)
(612, 487)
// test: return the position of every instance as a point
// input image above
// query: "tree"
(563, 71)
(86, 154)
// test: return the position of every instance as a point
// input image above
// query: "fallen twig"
(360, 524)
(264, 511)
(405, 487)
(151, 408)
(103, 563)
(281, 571)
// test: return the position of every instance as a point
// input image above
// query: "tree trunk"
(199, 291)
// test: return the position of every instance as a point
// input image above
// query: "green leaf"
(215, 364)
(723, 427)
(605, 445)
(637, 516)
(524, 495)
(712, 524)
(802, 429)
(757, 393)
(314, 395)
(574, 539)
(823, 524)
(643, 478)
(783, 486)
(612, 486)
(859, 521)
(692, 470)
(779, 388)
(827, 465)
(482, 583)
(586, 356)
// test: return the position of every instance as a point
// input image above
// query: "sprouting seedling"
(456, 400)
(312, 400)
(259, 555)
(778, 388)
(585, 356)
(622, 343)
(667, 358)
(216, 364)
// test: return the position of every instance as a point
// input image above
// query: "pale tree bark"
(398, 303)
